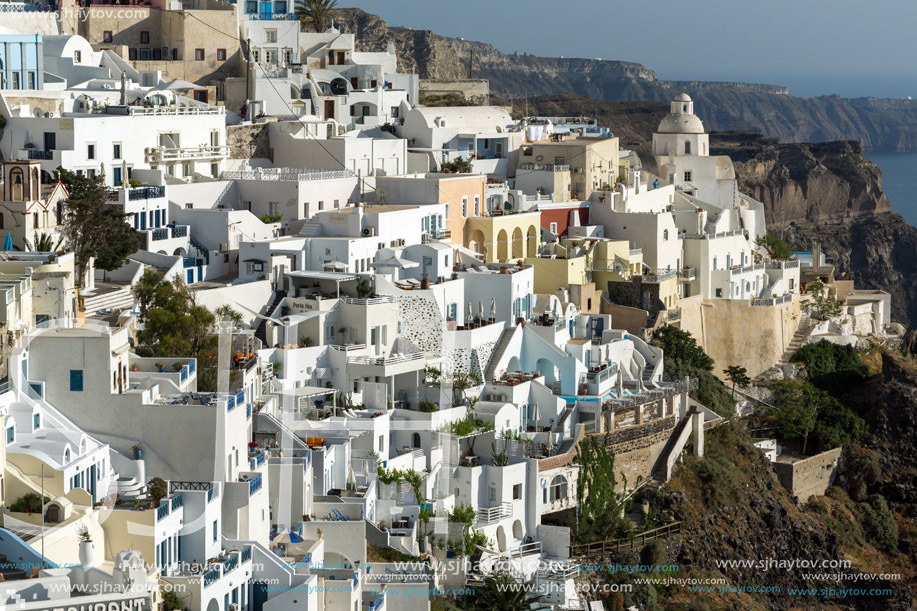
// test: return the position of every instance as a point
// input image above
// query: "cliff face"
(808, 182)
(877, 123)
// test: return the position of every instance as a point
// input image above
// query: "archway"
(213, 605)
(502, 246)
(518, 243)
(180, 252)
(532, 241)
(517, 530)
(53, 513)
(501, 539)
(415, 440)
(558, 490)
(476, 243)
(547, 369)
(514, 364)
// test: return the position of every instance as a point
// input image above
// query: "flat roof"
(339, 276)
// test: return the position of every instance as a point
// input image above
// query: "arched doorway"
(476, 243)
(547, 369)
(532, 241)
(518, 244)
(415, 440)
(501, 539)
(502, 246)
(514, 364)
(517, 530)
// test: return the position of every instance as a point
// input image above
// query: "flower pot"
(87, 553)
(138, 454)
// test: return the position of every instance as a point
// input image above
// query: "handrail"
(601, 548)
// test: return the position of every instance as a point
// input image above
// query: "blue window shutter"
(76, 380)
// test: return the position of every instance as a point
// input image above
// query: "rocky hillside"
(879, 124)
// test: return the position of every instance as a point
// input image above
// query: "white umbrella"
(493, 308)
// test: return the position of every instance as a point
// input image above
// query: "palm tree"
(314, 13)
(44, 243)
(501, 593)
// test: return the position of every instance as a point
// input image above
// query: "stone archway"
(518, 244)
(502, 246)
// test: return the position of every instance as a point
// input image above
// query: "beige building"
(198, 45)
(590, 163)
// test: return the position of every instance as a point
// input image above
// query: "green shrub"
(29, 503)
(879, 523)
(836, 369)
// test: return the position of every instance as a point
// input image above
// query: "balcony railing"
(368, 300)
(179, 231)
(385, 360)
(254, 484)
(544, 167)
(162, 512)
(489, 515)
(782, 264)
(167, 111)
(688, 273)
(161, 234)
(439, 234)
(41, 155)
(772, 301)
(636, 251)
(162, 154)
(285, 174)
(659, 275)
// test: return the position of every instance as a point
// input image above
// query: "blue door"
(191, 276)
(116, 174)
(598, 325)
(266, 10)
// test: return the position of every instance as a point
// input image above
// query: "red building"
(557, 218)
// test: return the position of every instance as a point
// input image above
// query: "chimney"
(816, 255)
(123, 88)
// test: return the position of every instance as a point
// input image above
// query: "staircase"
(768, 290)
(129, 487)
(799, 340)
(672, 445)
(261, 329)
(310, 229)
(648, 375)
(203, 252)
(505, 338)
(118, 299)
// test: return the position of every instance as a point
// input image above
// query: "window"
(132, 54)
(251, 6)
(270, 35)
(719, 292)
(77, 57)
(256, 56)
(35, 221)
(91, 151)
(280, 7)
(665, 235)
(10, 435)
(215, 533)
(687, 148)
(144, 37)
(477, 205)
(447, 212)
(464, 207)
(288, 57)
(394, 112)
(687, 176)
(199, 55)
(553, 228)
(76, 380)
(558, 488)
(493, 494)
(106, 36)
(221, 55)
(517, 492)
(116, 150)
(273, 208)
(381, 442)
(157, 54)
(30, 77)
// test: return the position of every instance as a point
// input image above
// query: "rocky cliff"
(878, 124)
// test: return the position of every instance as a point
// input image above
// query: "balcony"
(544, 167)
(688, 273)
(385, 366)
(361, 301)
(136, 193)
(285, 174)
(254, 483)
(41, 155)
(489, 515)
(439, 234)
(167, 111)
(658, 275)
(772, 301)
(161, 154)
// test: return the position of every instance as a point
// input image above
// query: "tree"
(175, 326)
(681, 345)
(738, 376)
(314, 13)
(158, 489)
(826, 306)
(600, 515)
(776, 248)
(227, 312)
(93, 227)
(44, 243)
(500, 592)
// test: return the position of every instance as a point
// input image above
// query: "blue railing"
(248, 412)
(162, 511)
(183, 374)
(191, 365)
(177, 501)
(260, 458)
(189, 262)
(179, 231)
(146, 193)
(240, 397)
(246, 554)
(254, 484)
(231, 403)
(231, 563)
(40, 154)
(211, 576)
(377, 603)
(161, 234)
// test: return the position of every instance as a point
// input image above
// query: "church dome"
(681, 124)
(681, 118)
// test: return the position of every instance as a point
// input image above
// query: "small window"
(144, 37)
(251, 6)
(493, 494)
(76, 380)
(687, 176)
(10, 435)
(221, 55)
(553, 228)
(91, 151)
(106, 36)
(517, 492)
(665, 235)
(215, 533)
(719, 292)
(280, 7)
(199, 55)
(132, 54)
(116, 151)
(77, 57)
(394, 112)
(270, 36)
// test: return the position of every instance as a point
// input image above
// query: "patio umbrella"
(493, 308)
(8, 243)
(286, 536)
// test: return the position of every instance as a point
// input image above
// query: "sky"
(814, 47)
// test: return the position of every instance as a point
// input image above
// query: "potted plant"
(158, 489)
(177, 365)
(87, 552)
(134, 367)
(160, 365)
(319, 533)
(138, 453)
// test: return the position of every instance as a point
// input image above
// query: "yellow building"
(591, 163)
(504, 237)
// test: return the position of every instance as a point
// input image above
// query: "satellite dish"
(338, 86)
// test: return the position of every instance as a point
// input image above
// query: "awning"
(396, 262)
(335, 265)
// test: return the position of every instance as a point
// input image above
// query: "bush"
(879, 523)
(425, 405)
(836, 369)
(267, 219)
(29, 503)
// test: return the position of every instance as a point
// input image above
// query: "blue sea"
(899, 181)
